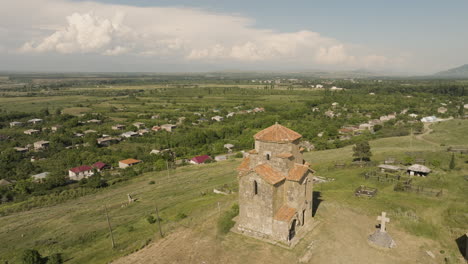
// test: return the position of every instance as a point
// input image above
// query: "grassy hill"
(458, 72)
(189, 209)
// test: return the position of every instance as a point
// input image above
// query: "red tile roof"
(297, 172)
(245, 165)
(130, 161)
(201, 159)
(99, 165)
(285, 214)
(269, 174)
(81, 168)
(278, 134)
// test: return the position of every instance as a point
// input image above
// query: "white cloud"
(172, 33)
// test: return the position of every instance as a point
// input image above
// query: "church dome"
(278, 134)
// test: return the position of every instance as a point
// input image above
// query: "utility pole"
(159, 222)
(110, 227)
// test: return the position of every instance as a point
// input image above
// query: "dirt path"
(340, 238)
(427, 131)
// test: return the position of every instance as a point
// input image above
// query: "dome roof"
(278, 134)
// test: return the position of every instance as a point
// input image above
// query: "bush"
(181, 216)
(55, 259)
(225, 222)
(238, 155)
(150, 219)
(151, 182)
(32, 256)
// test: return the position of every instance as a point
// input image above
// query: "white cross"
(383, 220)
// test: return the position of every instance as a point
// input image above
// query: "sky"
(402, 37)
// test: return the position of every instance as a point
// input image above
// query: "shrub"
(181, 216)
(55, 259)
(150, 219)
(32, 256)
(225, 222)
(238, 155)
(151, 182)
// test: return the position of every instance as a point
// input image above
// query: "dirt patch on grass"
(340, 238)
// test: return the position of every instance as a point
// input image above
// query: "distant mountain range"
(458, 72)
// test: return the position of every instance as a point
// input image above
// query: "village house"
(107, 141)
(80, 172)
(40, 177)
(118, 127)
(230, 114)
(129, 134)
(221, 157)
(217, 118)
(39, 145)
(16, 124)
(413, 115)
(143, 131)
(99, 166)
(442, 110)
(366, 127)
(334, 88)
(94, 121)
(139, 125)
(228, 147)
(156, 128)
(168, 127)
(429, 119)
(155, 117)
(330, 114)
(90, 131)
(258, 109)
(389, 168)
(21, 150)
(275, 187)
(418, 170)
(128, 163)
(31, 132)
(35, 121)
(55, 128)
(200, 159)
(77, 134)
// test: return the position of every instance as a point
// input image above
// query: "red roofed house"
(128, 163)
(99, 166)
(275, 187)
(200, 159)
(78, 173)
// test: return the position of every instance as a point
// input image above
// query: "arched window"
(268, 156)
(255, 187)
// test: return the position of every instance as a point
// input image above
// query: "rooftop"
(285, 214)
(269, 174)
(297, 172)
(278, 134)
(130, 161)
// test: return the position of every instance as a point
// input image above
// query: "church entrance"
(292, 230)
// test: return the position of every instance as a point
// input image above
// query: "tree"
(32, 256)
(362, 151)
(452, 162)
(55, 259)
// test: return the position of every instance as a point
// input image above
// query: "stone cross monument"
(383, 219)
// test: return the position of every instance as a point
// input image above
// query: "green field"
(78, 228)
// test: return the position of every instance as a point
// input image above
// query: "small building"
(230, 114)
(99, 166)
(55, 128)
(80, 172)
(40, 177)
(228, 147)
(418, 170)
(442, 110)
(128, 163)
(168, 127)
(78, 134)
(139, 124)
(389, 168)
(118, 127)
(200, 159)
(16, 124)
(39, 145)
(217, 118)
(129, 134)
(31, 132)
(94, 121)
(143, 131)
(155, 117)
(107, 141)
(413, 115)
(4, 182)
(366, 127)
(35, 121)
(21, 150)
(330, 114)
(429, 119)
(156, 128)
(221, 157)
(90, 131)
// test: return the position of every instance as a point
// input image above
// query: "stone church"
(275, 187)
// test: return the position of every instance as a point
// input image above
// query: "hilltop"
(458, 72)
